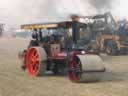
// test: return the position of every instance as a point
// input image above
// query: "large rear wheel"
(35, 61)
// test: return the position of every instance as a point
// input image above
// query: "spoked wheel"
(75, 70)
(34, 61)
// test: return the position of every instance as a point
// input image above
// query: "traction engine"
(58, 48)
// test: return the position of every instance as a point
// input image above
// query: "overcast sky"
(16, 12)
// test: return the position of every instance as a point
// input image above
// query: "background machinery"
(61, 48)
(1, 29)
(106, 35)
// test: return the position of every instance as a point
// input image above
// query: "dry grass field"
(15, 82)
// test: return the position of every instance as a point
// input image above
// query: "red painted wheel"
(34, 60)
(74, 74)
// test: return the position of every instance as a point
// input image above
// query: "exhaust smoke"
(17, 12)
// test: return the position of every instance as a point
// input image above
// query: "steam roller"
(86, 68)
(81, 67)
(62, 53)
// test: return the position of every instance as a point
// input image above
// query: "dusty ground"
(15, 82)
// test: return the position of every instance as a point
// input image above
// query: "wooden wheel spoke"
(35, 59)
(36, 55)
(32, 63)
(32, 59)
(34, 52)
(35, 67)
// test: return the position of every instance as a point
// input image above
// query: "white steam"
(120, 8)
(17, 12)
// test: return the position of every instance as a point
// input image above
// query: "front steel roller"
(35, 61)
(86, 68)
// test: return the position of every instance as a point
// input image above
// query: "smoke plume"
(17, 12)
(101, 5)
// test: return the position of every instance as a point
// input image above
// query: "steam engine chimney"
(75, 28)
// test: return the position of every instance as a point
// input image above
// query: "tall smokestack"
(75, 28)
